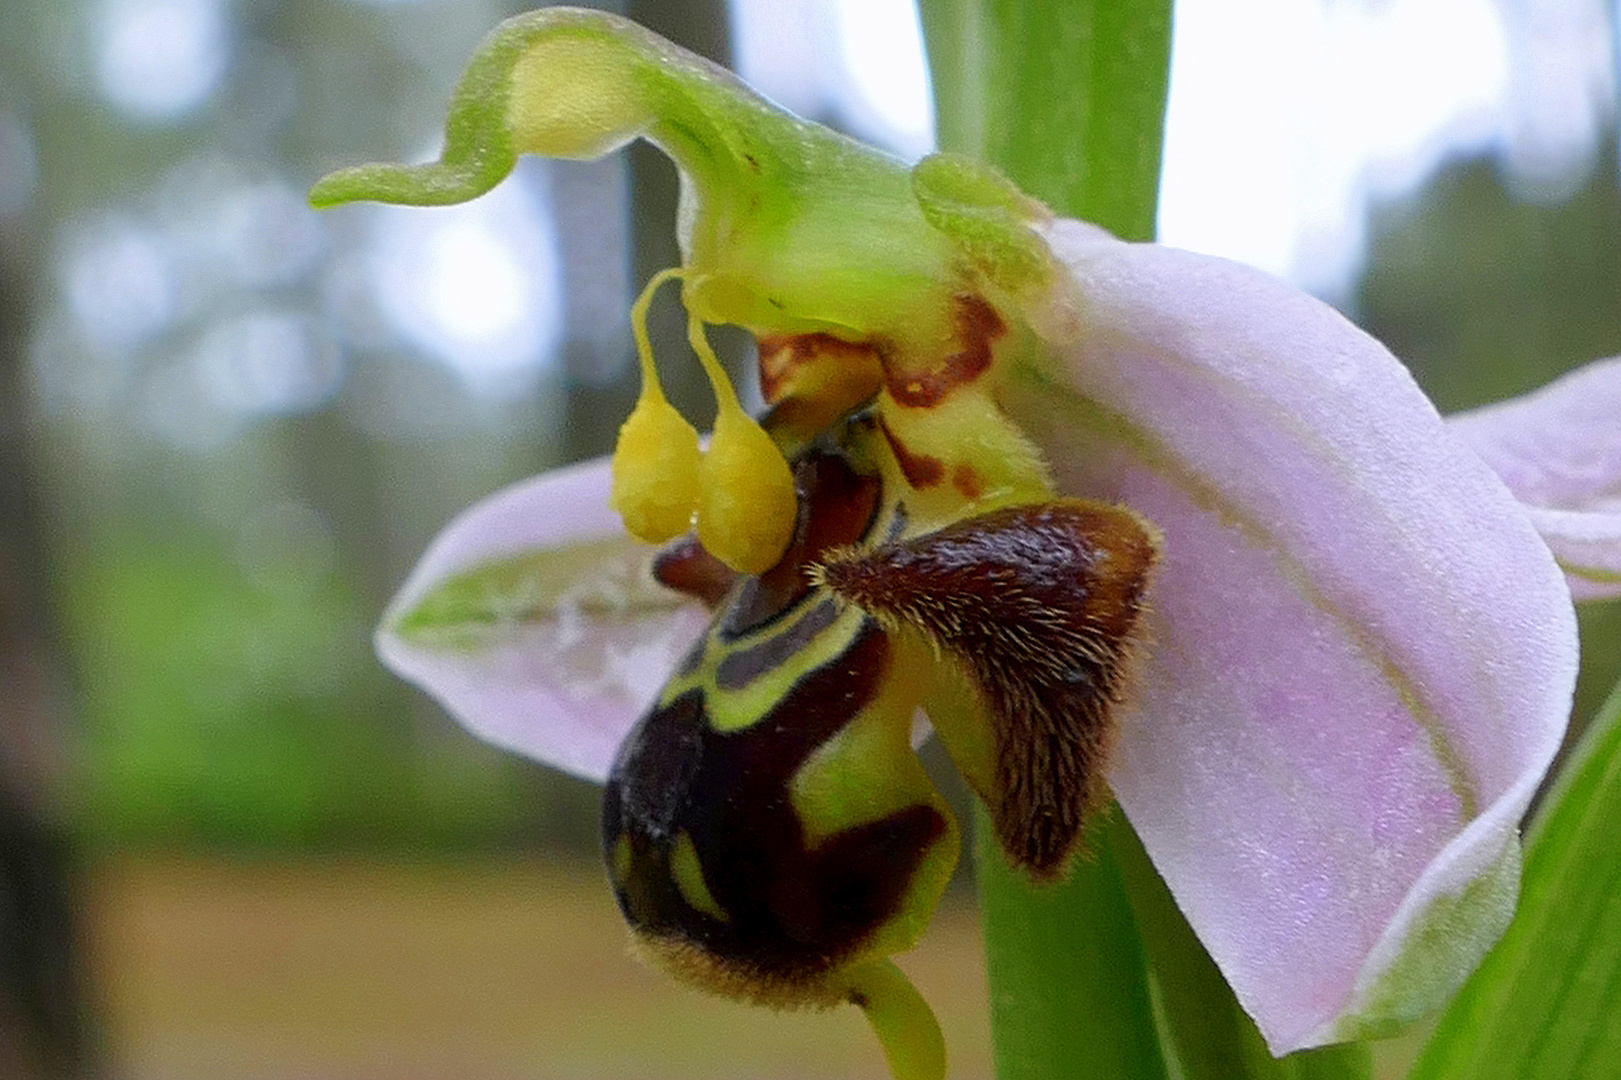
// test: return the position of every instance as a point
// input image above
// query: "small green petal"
(987, 218)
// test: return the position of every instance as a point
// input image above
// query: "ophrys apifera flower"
(1115, 517)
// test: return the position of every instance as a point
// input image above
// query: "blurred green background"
(228, 425)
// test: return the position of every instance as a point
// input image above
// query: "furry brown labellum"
(1041, 607)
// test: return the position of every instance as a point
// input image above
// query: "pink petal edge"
(566, 687)
(1559, 450)
(1356, 631)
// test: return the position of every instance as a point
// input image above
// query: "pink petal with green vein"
(1559, 451)
(1361, 653)
(533, 620)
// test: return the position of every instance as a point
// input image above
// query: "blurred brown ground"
(349, 970)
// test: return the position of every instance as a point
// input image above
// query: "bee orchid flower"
(1121, 520)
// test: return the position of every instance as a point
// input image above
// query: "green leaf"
(1067, 98)
(1546, 1002)
(1069, 989)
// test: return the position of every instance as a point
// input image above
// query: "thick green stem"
(1067, 98)
(1101, 975)
(1070, 994)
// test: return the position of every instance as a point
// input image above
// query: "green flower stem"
(1069, 986)
(1068, 98)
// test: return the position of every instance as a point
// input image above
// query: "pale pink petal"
(533, 620)
(1559, 451)
(1361, 653)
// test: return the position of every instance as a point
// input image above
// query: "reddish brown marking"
(965, 478)
(687, 567)
(781, 357)
(978, 325)
(920, 470)
(837, 506)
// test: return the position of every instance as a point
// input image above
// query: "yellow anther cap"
(747, 506)
(655, 471)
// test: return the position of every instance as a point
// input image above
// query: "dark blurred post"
(44, 1029)
(699, 25)
(602, 389)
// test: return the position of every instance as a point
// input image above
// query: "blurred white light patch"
(859, 60)
(476, 285)
(172, 402)
(1288, 118)
(779, 48)
(266, 233)
(1285, 117)
(158, 59)
(120, 283)
(268, 363)
(882, 44)
(1562, 93)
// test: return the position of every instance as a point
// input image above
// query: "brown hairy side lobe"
(1042, 606)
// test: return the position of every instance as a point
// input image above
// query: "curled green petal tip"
(559, 82)
(578, 83)
(789, 228)
(441, 183)
(478, 151)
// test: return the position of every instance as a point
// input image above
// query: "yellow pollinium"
(655, 471)
(739, 492)
(746, 505)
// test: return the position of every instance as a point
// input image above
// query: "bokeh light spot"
(476, 286)
(120, 284)
(158, 59)
(268, 363)
(882, 44)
